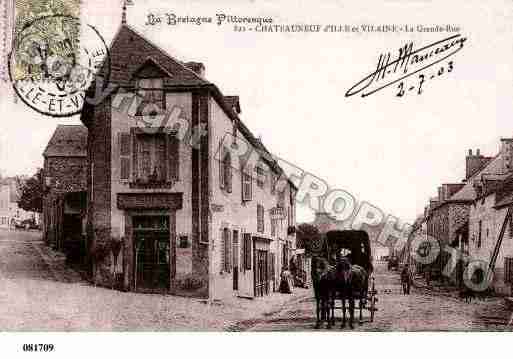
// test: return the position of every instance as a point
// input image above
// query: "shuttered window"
(480, 234)
(273, 226)
(220, 165)
(260, 171)
(155, 157)
(508, 270)
(225, 168)
(124, 155)
(246, 248)
(511, 227)
(173, 144)
(235, 246)
(260, 219)
(227, 172)
(225, 251)
(272, 266)
(247, 184)
(281, 198)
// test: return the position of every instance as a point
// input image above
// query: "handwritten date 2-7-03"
(403, 88)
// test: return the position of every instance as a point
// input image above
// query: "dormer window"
(150, 93)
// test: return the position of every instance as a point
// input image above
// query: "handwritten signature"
(407, 63)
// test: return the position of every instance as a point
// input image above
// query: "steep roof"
(130, 51)
(67, 141)
(468, 193)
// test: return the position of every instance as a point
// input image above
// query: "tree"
(31, 192)
(306, 233)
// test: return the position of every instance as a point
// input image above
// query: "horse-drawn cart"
(342, 271)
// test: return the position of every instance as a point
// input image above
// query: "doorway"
(261, 273)
(151, 253)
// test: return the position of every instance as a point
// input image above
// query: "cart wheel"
(372, 301)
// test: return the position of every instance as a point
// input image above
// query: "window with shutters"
(281, 199)
(479, 234)
(274, 178)
(247, 184)
(274, 225)
(260, 218)
(260, 171)
(124, 155)
(246, 250)
(235, 246)
(226, 172)
(511, 227)
(149, 160)
(508, 270)
(285, 256)
(272, 266)
(226, 251)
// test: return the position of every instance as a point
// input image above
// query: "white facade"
(235, 214)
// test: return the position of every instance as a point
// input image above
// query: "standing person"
(406, 279)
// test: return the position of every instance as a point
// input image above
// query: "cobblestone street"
(39, 293)
(422, 310)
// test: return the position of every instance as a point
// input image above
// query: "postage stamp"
(54, 57)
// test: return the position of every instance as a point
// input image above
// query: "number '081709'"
(38, 347)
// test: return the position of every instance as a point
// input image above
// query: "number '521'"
(38, 347)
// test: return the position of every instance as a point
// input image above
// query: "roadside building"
(192, 216)
(10, 212)
(490, 226)
(418, 232)
(448, 215)
(64, 187)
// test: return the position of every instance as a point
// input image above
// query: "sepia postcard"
(324, 168)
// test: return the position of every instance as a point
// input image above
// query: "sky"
(391, 152)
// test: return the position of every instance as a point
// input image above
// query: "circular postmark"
(53, 62)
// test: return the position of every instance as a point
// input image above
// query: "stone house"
(447, 217)
(418, 231)
(65, 185)
(193, 214)
(490, 226)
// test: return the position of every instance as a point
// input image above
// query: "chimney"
(473, 163)
(440, 194)
(196, 67)
(507, 154)
(234, 103)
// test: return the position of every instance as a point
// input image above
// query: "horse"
(351, 281)
(344, 282)
(322, 284)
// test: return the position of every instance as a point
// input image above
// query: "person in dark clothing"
(406, 279)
